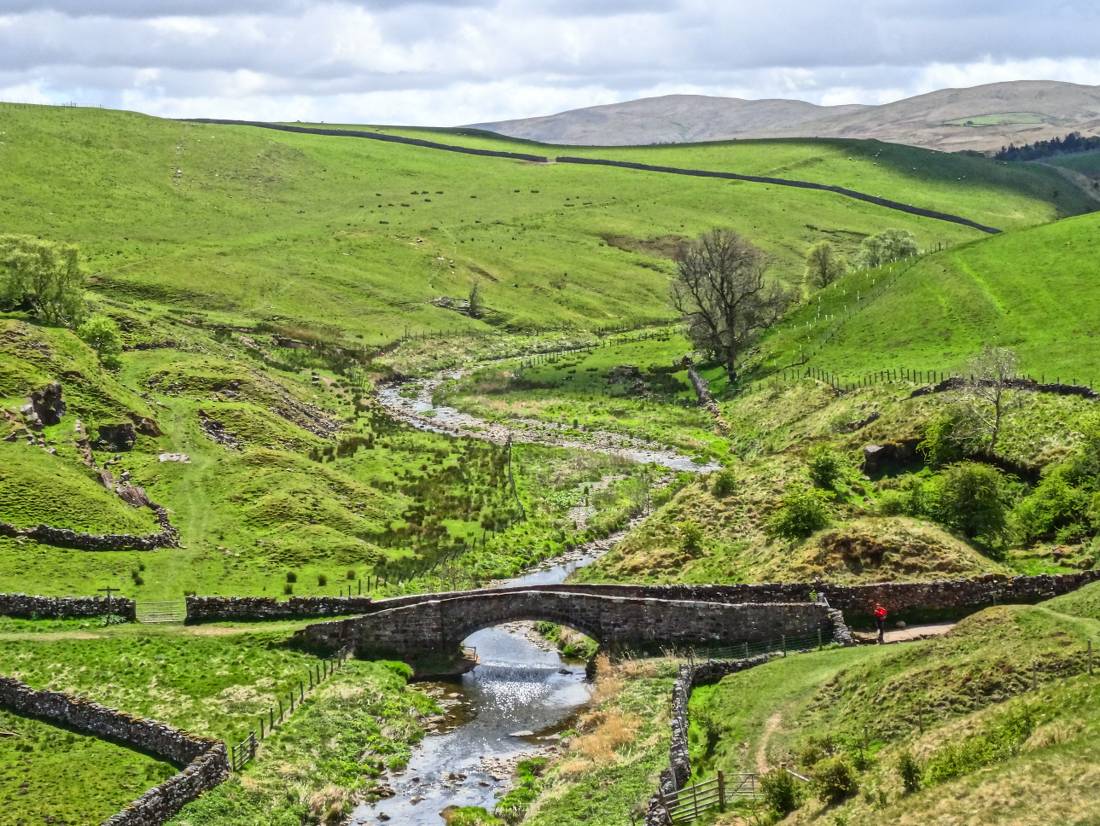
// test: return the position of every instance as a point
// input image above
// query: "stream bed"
(511, 706)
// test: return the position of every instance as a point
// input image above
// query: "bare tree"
(723, 296)
(824, 264)
(986, 392)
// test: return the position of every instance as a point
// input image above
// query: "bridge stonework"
(438, 626)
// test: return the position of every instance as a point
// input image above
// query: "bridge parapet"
(430, 627)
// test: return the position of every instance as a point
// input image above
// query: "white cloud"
(456, 61)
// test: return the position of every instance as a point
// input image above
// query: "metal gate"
(170, 611)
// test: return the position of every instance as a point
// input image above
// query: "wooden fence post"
(721, 792)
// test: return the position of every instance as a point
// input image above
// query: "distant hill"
(980, 118)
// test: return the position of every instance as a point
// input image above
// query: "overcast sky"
(449, 62)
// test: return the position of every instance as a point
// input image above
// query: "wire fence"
(243, 752)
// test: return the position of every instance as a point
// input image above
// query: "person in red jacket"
(880, 621)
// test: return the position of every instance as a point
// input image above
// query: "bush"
(826, 467)
(322, 580)
(350, 574)
(691, 537)
(101, 333)
(288, 589)
(834, 780)
(910, 771)
(949, 437)
(971, 498)
(1054, 504)
(803, 511)
(779, 792)
(997, 743)
(725, 482)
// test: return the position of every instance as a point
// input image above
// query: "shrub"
(815, 749)
(291, 576)
(971, 498)
(288, 589)
(803, 511)
(1054, 504)
(350, 574)
(826, 467)
(780, 793)
(999, 742)
(101, 333)
(691, 537)
(322, 580)
(834, 780)
(949, 437)
(725, 482)
(910, 771)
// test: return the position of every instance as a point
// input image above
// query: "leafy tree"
(723, 296)
(803, 511)
(824, 264)
(971, 498)
(43, 278)
(886, 247)
(101, 333)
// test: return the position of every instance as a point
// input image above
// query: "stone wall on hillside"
(203, 759)
(234, 609)
(678, 771)
(35, 607)
(166, 537)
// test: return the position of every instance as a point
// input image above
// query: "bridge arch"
(438, 626)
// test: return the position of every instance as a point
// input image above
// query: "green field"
(40, 764)
(216, 681)
(963, 705)
(1032, 290)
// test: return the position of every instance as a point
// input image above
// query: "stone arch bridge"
(436, 624)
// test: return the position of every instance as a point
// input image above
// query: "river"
(522, 693)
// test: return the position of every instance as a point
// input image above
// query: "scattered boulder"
(879, 459)
(182, 458)
(145, 426)
(45, 407)
(117, 437)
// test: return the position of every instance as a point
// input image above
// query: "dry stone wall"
(203, 759)
(35, 607)
(166, 537)
(233, 609)
(947, 596)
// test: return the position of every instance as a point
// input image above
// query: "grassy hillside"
(1033, 290)
(985, 712)
(238, 221)
(991, 192)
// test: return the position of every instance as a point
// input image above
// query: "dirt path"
(770, 728)
(908, 634)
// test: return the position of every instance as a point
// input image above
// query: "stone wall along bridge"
(437, 624)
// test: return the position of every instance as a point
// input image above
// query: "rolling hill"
(980, 118)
